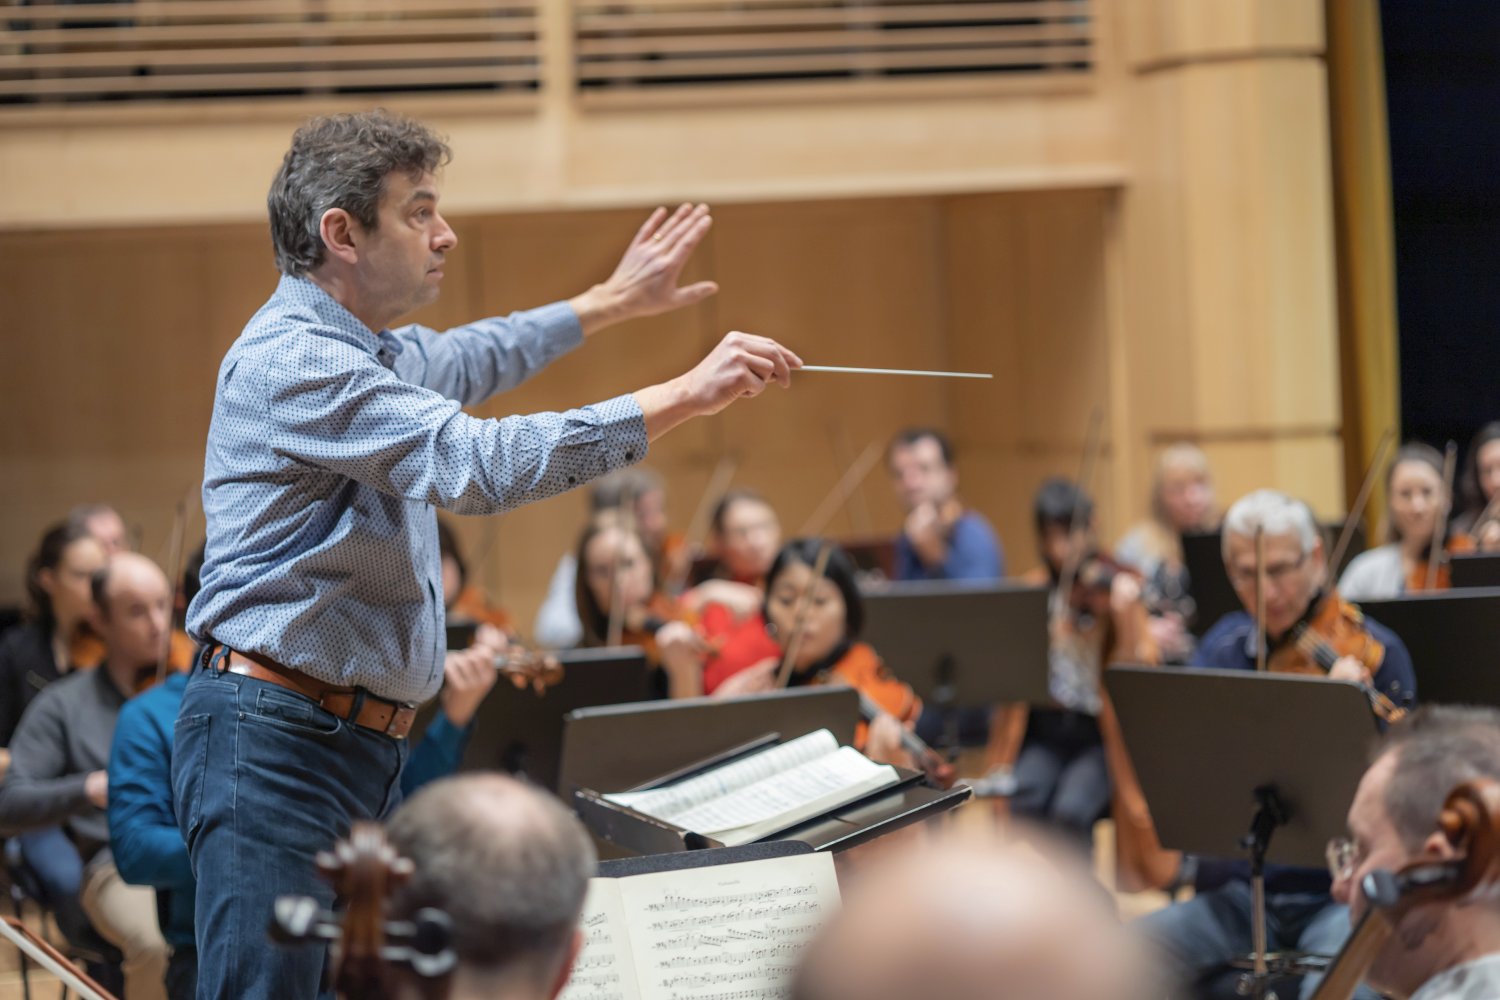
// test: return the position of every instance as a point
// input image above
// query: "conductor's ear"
(340, 230)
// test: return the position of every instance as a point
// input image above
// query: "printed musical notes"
(732, 932)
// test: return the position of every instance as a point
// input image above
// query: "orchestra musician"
(510, 867)
(1061, 774)
(827, 615)
(745, 535)
(1200, 936)
(61, 753)
(557, 625)
(1439, 951)
(976, 918)
(941, 539)
(1182, 501)
(104, 523)
(1417, 501)
(1478, 487)
(332, 440)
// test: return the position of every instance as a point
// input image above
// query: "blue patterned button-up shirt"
(328, 450)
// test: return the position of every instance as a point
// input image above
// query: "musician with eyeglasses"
(1274, 556)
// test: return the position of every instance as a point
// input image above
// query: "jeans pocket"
(293, 712)
(189, 771)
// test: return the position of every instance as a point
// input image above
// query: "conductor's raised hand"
(646, 282)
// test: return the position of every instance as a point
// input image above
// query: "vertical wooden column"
(1226, 246)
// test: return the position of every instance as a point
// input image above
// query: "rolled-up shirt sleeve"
(361, 421)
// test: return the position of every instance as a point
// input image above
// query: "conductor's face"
(401, 260)
(1291, 576)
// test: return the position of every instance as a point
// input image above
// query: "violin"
(1335, 630)
(1425, 576)
(368, 949)
(1093, 581)
(939, 769)
(1470, 820)
(523, 668)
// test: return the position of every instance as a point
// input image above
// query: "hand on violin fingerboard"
(468, 675)
(1347, 668)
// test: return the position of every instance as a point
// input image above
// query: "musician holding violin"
(1417, 505)
(1448, 949)
(941, 539)
(1479, 518)
(1061, 772)
(1273, 553)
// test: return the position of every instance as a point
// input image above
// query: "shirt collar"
(1481, 972)
(336, 321)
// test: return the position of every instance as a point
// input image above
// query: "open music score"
(732, 932)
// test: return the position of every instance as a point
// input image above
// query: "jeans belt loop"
(356, 705)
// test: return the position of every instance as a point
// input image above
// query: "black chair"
(82, 944)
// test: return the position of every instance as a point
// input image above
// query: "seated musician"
(1439, 951)
(1061, 775)
(969, 918)
(941, 539)
(1200, 936)
(1182, 501)
(557, 625)
(103, 523)
(745, 535)
(61, 749)
(510, 867)
(1416, 501)
(1477, 488)
(827, 646)
(143, 831)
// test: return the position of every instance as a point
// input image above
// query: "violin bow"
(1092, 445)
(859, 509)
(799, 619)
(174, 564)
(718, 485)
(1440, 528)
(616, 634)
(842, 490)
(1357, 512)
(1260, 599)
(1491, 510)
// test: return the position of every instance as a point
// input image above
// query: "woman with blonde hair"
(1182, 501)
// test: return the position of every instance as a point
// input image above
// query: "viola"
(1335, 630)
(368, 948)
(524, 668)
(1470, 821)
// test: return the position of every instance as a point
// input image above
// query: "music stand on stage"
(1474, 570)
(1232, 760)
(620, 746)
(1214, 596)
(521, 732)
(1452, 636)
(962, 645)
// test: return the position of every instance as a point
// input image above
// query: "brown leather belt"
(388, 717)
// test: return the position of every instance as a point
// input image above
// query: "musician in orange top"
(829, 652)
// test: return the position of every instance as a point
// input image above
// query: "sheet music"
(786, 798)
(604, 969)
(663, 802)
(731, 932)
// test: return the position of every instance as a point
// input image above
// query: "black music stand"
(1214, 596)
(621, 746)
(1475, 569)
(1453, 636)
(521, 732)
(1233, 760)
(960, 644)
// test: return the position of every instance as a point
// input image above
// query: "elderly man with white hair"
(1201, 936)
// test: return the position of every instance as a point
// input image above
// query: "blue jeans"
(263, 779)
(1200, 937)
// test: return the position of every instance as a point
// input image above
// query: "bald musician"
(510, 867)
(1439, 951)
(333, 438)
(971, 918)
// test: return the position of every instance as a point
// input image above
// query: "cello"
(1470, 820)
(369, 951)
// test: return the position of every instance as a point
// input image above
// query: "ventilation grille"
(54, 52)
(666, 43)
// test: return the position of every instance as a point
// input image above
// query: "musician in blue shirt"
(332, 441)
(1201, 936)
(941, 539)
